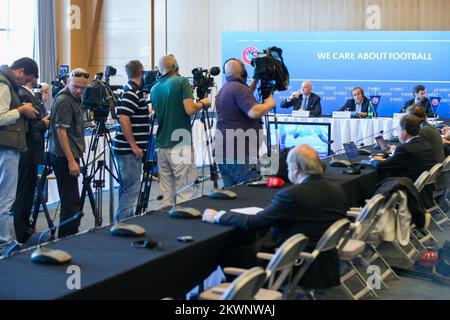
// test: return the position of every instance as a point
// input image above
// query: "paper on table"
(252, 211)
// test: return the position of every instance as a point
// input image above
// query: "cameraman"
(237, 110)
(67, 145)
(173, 102)
(131, 140)
(29, 162)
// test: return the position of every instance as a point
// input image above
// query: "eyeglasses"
(79, 75)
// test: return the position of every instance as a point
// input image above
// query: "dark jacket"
(309, 208)
(313, 106)
(35, 134)
(426, 104)
(350, 105)
(433, 136)
(415, 204)
(410, 160)
(13, 136)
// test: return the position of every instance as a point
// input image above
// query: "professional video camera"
(149, 80)
(204, 81)
(271, 71)
(61, 80)
(100, 97)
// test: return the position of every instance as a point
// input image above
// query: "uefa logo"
(435, 102)
(375, 100)
(248, 54)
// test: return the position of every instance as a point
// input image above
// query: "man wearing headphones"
(238, 118)
(359, 105)
(173, 102)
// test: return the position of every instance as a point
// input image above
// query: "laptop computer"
(353, 155)
(384, 146)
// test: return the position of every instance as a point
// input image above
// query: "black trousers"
(26, 186)
(69, 195)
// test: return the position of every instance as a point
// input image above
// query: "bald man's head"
(306, 88)
(234, 68)
(306, 159)
(167, 64)
(78, 80)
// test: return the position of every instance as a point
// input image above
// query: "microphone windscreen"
(275, 182)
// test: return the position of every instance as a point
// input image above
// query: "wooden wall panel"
(398, 14)
(434, 14)
(285, 15)
(330, 15)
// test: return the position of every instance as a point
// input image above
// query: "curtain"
(45, 42)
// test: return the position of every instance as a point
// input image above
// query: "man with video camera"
(237, 110)
(173, 101)
(67, 145)
(131, 140)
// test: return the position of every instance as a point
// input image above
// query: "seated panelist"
(305, 100)
(359, 105)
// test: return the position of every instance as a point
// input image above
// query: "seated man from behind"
(305, 100)
(428, 132)
(310, 206)
(412, 157)
(359, 105)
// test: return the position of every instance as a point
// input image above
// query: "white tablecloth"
(360, 131)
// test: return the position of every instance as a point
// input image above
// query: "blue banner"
(386, 64)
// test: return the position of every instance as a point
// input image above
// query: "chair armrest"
(264, 256)
(307, 256)
(353, 214)
(218, 290)
(234, 271)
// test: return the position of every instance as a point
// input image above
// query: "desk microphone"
(183, 212)
(53, 257)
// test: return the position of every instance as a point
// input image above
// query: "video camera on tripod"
(204, 81)
(61, 80)
(271, 71)
(99, 98)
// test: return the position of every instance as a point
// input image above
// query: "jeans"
(9, 173)
(130, 173)
(235, 174)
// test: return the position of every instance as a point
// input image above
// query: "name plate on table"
(301, 114)
(342, 114)
(398, 115)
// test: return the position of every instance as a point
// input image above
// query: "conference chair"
(278, 270)
(441, 188)
(246, 286)
(437, 215)
(422, 236)
(329, 241)
(356, 243)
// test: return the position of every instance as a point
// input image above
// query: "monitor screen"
(317, 135)
(352, 152)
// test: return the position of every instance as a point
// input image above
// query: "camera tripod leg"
(41, 201)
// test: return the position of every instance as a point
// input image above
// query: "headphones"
(244, 73)
(174, 69)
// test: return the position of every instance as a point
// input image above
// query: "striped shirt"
(133, 105)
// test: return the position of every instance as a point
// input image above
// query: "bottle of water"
(370, 111)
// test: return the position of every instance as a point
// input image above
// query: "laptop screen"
(382, 144)
(352, 152)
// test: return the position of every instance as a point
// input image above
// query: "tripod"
(40, 199)
(148, 174)
(97, 171)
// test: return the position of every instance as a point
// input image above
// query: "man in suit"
(305, 100)
(310, 207)
(359, 105)
(412, 157)
(420, 97)
(428, 132)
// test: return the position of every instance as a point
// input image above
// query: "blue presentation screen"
(316, 135)
(388, 63)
